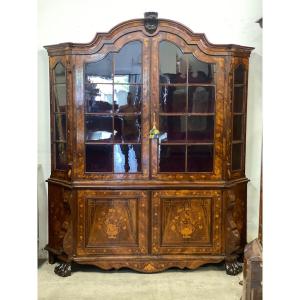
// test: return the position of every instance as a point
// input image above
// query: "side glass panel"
(238, 118)
(60, 156)
(239, 75)
(59, 138)
(113, 100)
(237, 156)
(186, 111)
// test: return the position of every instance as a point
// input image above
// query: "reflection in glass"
(60, 127)
(199, 72)
(236, 156)
(173, 67)
(128, 63)
(201, 99)
(200, 128)
(200, 158)
(100, 71)
(238, 99)
(60, 156)
(127, 158)
(171, 158)
(98, 128)
(60, 96)
(60, 73)
(98, 158)
(98, 97)
(173, 98)
(238, 127)
(127, 98)
(239, 74)
(127, 128)
(172, 128)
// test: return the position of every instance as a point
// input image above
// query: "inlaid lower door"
(112, 222)
(186, 222)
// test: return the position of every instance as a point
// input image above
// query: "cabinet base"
(150, 264)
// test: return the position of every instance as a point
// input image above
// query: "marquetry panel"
(186, 222)
(112, 222)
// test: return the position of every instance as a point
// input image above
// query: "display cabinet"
(148, 125)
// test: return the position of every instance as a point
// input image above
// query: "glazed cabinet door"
(112, 88)
(186, 222)
(187, 108)
(112, 222)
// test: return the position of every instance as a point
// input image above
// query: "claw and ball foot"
(63, 269)
(233, 267)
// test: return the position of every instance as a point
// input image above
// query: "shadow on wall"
(42, 204)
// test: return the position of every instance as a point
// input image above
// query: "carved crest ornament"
(151, 21)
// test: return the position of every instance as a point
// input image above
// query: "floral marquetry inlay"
(187, 217)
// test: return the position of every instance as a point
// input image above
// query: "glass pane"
(60, 73)
(98, 158)
(200, 158)
(201, 99)
(60, 156)
(60, 127)
(172, 128)
(98, 128)
(199, 72)
(236, 156)
(171, 158)
(128, 63)
(98, 97)
(127, 98)
(127, 128)
(238, 99)
(173, 99)
(173, 67)
(200, 128)
(127, 158)
(238, 127)
(60, 96)
(100, 71)
(239, 74)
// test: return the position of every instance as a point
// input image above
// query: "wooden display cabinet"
(148, 126)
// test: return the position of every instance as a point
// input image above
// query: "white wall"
(231, 21)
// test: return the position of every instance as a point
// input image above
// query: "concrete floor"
(90, 283)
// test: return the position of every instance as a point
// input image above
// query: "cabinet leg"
(63, 269)
(51, 258)
(232, 266)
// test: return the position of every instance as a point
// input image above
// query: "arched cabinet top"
(131, 27)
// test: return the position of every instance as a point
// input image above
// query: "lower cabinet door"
(112, 222)
(186, 222)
